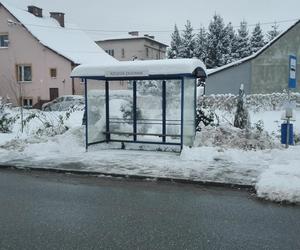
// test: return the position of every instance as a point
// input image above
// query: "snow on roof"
(140, 68)
(70, 42)
(245, 59)
(235, 63)
(127, 36)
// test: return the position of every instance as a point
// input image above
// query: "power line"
(268, 23)
(145, 31)
(151, 31)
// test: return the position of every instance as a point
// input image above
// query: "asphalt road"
(56, 211)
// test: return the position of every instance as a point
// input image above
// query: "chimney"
(133, 33)
(59, 17)
(38, 12)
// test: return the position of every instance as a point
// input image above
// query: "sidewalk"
(274, 173)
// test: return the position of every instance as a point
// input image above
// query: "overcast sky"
(158, 17)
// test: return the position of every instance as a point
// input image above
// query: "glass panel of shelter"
(120, 112)
(173, 110)
(189, 111)
(96, 111)
(157, 116)
(149, 110)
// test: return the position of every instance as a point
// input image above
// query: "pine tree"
(243, 42)
(188, 42)
(241, 118)
(175, 44)
(227, 45)
(201, 45)
(215, 42)
(233, 43)
(257, 39)
(274, 32)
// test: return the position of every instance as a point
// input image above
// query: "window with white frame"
(3, 40)
(27, 102)
(24, 73)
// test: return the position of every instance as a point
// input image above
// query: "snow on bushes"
(6, 119)
(38, 126)
(227, 136)
(254, 102)
(205, 117)
(214, 110)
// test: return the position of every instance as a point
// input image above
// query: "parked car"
(63, 103)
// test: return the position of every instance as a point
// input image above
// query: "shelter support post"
(182, 110)
(107, 110)
(164, 104)
(134, 111)
(86, 115)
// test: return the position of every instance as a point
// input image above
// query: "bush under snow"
(254, 102)
(226, 136)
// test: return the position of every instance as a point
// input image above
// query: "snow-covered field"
(221, 154)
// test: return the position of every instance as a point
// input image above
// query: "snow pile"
(232, 166)
(226, 136)
(67, 151)
(281, 181)
(38, 126)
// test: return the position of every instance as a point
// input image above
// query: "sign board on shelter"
(126, 73)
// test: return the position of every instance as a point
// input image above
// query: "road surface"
(57, 211)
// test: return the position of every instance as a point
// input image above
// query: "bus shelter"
(145, 102)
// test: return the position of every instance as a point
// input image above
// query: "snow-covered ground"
(219, 154)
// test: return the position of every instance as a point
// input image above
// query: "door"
(53, 93)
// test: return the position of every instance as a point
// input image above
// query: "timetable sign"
(292, 72)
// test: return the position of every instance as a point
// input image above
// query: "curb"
(250, 188)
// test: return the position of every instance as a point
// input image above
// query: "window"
(147, 52)
(110, 52)
(3, 40)
(53, 72)
(24, 73)
(123, 53)
(27, 102)
(53, 93)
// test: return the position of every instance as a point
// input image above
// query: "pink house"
(38, 52)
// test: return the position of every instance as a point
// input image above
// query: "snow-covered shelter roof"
(69, 41)
(248, 58)
(131, 69)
